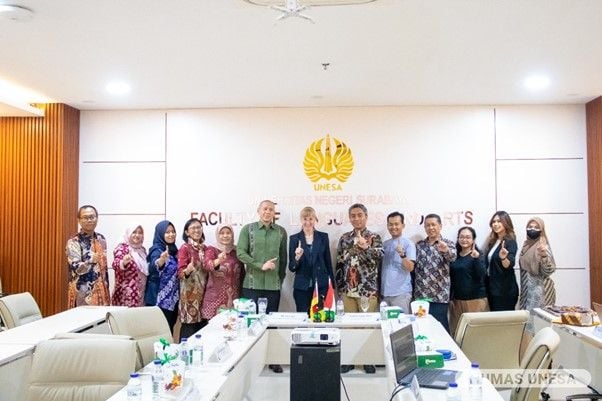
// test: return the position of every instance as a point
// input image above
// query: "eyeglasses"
(88, 218)
(465, 237)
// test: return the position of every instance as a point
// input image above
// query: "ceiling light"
(118, 88)
(15, 13)
(536, 82)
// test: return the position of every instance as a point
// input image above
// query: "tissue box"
(429, 360)
(392, 312)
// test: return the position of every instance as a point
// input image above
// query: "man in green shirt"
(262, 248)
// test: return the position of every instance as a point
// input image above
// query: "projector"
(316, 336)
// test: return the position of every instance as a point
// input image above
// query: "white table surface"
(230, 380)
(213, 378)
(591, 334)
(580, 347)
(10, 352)
(71, 320)
(440, 339)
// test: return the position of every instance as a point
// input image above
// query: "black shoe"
(275, 368)
(369, 369)
(346, 368)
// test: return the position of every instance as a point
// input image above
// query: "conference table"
(580, 347)
(18, 344)
(364, 340)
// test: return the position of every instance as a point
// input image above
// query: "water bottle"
(197, 352)
(134, 388)
(184, 355)
(157, 378)
(453, 392)
(475, 383)
(340, 307)
(383, 312)
(241, 326)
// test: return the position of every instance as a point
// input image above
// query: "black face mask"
(533, 234)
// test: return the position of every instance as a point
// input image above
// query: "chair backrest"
(538, 356)
(597, 308)
(19, 309)
(80, 369)
(478, 330)
(146, 325)
(101, 336)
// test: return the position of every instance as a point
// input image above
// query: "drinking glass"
(364, 304)
(262, 305)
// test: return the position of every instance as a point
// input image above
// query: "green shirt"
(257, 244)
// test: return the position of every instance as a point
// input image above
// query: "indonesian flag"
(314, 307)
(329, 302)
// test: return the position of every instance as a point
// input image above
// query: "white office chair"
(146, 325)
(478, 330)
(80, 369)
(19, 309)
(538, 356)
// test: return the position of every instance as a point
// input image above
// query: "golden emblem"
(320, 163)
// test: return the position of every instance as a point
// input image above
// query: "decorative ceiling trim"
(310, 3)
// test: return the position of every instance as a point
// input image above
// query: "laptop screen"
(403, 350)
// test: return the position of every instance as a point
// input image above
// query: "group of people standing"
(191, 283)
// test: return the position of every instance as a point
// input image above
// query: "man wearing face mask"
(536, 266)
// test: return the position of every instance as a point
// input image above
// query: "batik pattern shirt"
(432, 270)
(88, 280)
(130, 282)
(192, 286)
(169, 285)
(223, 285)
(357, 269)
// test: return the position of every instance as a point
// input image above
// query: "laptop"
(406, 365)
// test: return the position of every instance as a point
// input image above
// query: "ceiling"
(230, 53)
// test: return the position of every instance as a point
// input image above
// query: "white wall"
(456, 161)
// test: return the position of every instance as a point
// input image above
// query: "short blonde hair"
(308, 211)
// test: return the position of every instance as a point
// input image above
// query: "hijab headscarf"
(227, 248)
(529, 260)
(138, 251)
(159, 239)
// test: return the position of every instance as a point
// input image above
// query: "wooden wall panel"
(39, 162)
(594, 176)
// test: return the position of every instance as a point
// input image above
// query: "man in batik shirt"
(432, 281)
(359, 254)
(87, 258)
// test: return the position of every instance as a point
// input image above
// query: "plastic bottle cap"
(474, 365)
(183, 340)
(197, 336)
(134, 375)
(453, 384)
(157, 362)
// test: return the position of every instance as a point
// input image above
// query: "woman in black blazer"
(309, 259)
(500, 250)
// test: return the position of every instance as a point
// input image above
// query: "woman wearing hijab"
(131, 269)
(191, 257)
(163, 286)
(500, 251)
(225, 273)
(536, 265)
